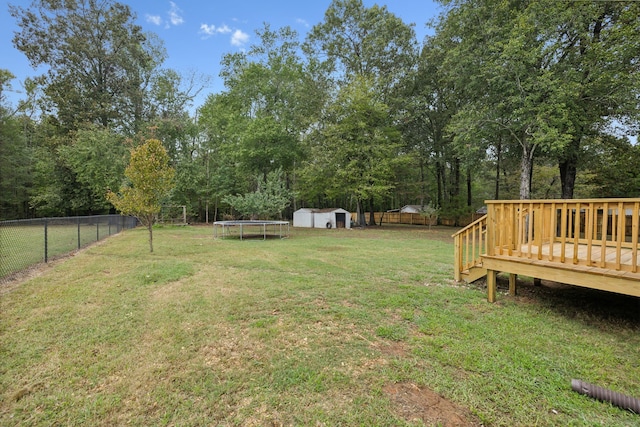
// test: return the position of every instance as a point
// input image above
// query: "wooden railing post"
(634, 236)
(491, 215)
(457, 251)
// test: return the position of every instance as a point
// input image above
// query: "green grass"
(302, 331)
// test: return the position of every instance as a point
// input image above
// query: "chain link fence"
(27, 242)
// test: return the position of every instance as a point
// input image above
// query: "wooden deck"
(590, 243)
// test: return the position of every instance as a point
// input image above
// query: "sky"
(198, 33)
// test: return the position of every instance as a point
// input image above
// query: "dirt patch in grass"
(415, 403)
(393, 349)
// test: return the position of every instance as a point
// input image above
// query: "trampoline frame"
(245, 227)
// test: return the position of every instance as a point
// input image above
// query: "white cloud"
(239, 38)
(175, 14)
(154, 19)
(302, 22)
(211, 30)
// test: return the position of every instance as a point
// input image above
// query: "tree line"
(519, 99)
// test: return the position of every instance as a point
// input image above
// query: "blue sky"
(197, 33)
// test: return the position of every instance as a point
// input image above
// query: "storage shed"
(322, 218)
(412, 209)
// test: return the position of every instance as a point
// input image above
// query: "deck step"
(473, 274)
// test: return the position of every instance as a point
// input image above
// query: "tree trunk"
(568, 166)
(440, 181)
(526, 165)
(150, 228)
(359, 213)
(469, 195)
(423, 183)
(372, 217)
(455, 181)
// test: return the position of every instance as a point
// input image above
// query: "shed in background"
(322, 218)
(412, 209)
(303, 218)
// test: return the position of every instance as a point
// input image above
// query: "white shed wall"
(303, 218)
(321, 219)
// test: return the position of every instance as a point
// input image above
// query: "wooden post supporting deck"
(491, 285)
(512, 284)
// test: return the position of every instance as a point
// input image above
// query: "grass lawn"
(327, 327)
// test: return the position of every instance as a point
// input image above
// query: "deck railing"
(600, 233)
(469, 244)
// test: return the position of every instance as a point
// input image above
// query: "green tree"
(543, 77)
(258, 124)
(269, 200)
(97, 158)
(150, 182)
(274, 100)
(495, 60)
(592, 50)
(430, 102)
(217, 119)
(361, 50)
(358, 150)
(15, 156)
(99, 61)
(613, 166)
(364, 42)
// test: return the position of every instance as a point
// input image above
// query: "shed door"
(341, 219)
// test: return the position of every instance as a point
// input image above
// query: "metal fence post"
(78, 233)
(46, 241)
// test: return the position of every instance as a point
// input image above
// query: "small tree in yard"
(268, 201)
(431, 213)
(150, 180)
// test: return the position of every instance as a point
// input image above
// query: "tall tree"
(275, 99)
(430, 102)
(496, 61)
(592, 48)
(15, 156)
(364, 42)
(358, 150)
(364, 51)
(99, 62)
(217, 119)
(96, 157)
(543, 76)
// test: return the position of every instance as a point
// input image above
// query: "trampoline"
(250, 229)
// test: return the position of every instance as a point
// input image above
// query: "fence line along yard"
(410, 218)
(27, 242)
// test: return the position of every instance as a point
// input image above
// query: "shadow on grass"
(592, 306)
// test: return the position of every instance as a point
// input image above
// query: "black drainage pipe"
(618, 399)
